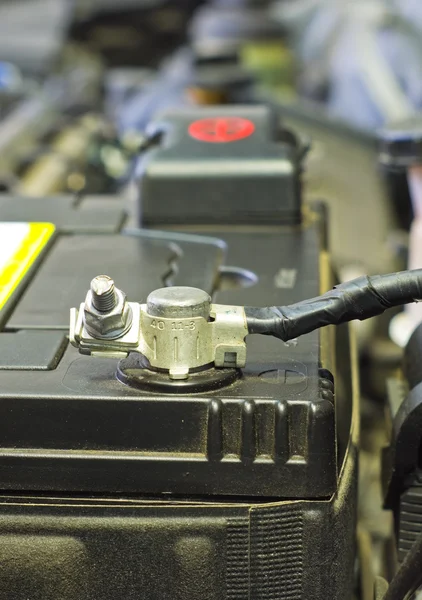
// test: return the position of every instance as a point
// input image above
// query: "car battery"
(117, 489)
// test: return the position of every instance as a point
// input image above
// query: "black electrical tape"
(361, 299)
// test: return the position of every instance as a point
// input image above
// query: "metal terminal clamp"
(178, 330)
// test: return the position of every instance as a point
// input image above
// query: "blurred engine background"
(80, 80)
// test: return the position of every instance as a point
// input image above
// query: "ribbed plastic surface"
(265, 554)
(277, 553)
(410, 520)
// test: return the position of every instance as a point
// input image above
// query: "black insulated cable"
(409, 576)
(360, 298)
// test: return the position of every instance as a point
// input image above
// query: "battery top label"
(221, 130)
(20, 246)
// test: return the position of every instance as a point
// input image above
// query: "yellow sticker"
(20, 245)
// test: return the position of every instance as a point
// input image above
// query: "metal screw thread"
(103, 293)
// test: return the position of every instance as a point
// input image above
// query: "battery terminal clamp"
(180, 332)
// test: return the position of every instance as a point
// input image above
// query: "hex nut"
(111, 324)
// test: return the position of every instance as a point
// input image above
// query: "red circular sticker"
(220, 130)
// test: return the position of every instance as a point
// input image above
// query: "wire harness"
(360, 298)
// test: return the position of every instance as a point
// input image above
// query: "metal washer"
(134, 372)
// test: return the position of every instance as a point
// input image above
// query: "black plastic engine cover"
(86, 214)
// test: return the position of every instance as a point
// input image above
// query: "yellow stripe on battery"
(20, 246)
